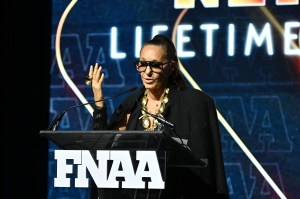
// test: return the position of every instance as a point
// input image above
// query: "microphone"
(161, 120)
(58, 118)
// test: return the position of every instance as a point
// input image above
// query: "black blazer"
(194, 114)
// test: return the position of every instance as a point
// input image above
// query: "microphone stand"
(59, 117)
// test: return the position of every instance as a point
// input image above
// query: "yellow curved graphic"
(59, 59)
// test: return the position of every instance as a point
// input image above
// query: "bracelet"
(99, 107)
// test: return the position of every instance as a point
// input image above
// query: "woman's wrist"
(99, 105)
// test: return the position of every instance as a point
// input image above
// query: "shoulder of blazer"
(195, 95)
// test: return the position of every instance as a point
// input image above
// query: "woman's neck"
(156, 94)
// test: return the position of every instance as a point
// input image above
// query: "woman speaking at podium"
(165, 94)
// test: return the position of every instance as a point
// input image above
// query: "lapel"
(127, 105)
(135, 110)
(173, 96)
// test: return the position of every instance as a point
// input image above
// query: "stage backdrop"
(243, 53)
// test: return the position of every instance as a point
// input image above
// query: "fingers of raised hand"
(91, 71)
(97, 73)
(96, 76)
(88, 79)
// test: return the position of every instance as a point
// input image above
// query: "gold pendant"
(146, 118)
(146, 122)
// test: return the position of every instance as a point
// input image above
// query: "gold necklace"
(145, 117)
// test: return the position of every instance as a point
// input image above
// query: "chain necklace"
(146, 117)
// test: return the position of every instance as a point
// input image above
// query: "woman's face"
(154, 78)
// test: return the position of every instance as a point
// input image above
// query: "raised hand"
(96, 76)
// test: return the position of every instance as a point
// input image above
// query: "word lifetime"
(254, 38)
(231, 3)
(99, 173)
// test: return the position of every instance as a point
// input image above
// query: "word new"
(121, 167)
(231, 3)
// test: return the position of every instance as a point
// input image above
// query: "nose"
(148, 69)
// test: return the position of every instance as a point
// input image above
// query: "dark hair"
(171, 55)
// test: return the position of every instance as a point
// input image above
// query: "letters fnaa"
(122, 166)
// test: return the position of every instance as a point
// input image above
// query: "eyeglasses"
(155, 66)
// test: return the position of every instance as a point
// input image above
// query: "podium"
(171, 152)
(178, 155)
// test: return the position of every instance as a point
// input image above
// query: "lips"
(149, 81)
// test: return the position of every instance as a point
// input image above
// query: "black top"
(194, 114)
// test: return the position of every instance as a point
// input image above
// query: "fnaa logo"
(182, 4)
(114, 169)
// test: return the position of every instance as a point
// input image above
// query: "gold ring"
(88, 80)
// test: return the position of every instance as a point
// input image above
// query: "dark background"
(26, 47)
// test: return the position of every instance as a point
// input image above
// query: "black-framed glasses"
(155, 66)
